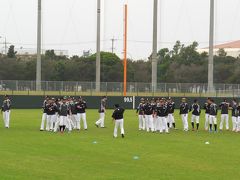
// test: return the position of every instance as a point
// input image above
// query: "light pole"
(39, 33)
(154, 44)
(5, 44)
(211, 39)
(2, 43)
(98, 55)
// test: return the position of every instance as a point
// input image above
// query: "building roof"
(229, 45)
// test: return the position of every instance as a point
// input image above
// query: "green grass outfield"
(27, 153)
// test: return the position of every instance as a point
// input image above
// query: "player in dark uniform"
(140, 113)
(102, 111)
(184, 109)
(154, 105)
(238, 118)
(171, 108)
(148, 115)
(234, 108)
(70, 124)
(207, 111)
(119, 120)
(161, 112)
(44, 115)
(51, 109)
(213, 115)
(81, 106)
(63, 113)
(74, 113)
(196, 111)
(224, 114)
(6, 110)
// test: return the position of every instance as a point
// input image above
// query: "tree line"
(181, 64)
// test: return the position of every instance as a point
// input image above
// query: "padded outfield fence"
(129, 102)
(59, 88)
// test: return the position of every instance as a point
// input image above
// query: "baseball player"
(51, 109)
(44, 115)
(224, 106)
(63, 113)
(6, 110)
(238, 118)
(207, 111)
(171, 108)
(81, 113)
(154, 105)
(140, 113)
(196, 111)
(213, 116)
(184, 109)
(74, 113)
(234, 108)
(102, 111)
(118, 118)
(161, 113)
(148, 115)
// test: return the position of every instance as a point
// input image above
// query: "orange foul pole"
(125, 49)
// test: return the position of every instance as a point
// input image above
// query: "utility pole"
(98, 56)
(211, 40)
(154, 48)
(125, 49)
(5, 44)
(113, 41)
(38, 68)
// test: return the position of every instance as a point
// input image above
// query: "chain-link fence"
(116, 88)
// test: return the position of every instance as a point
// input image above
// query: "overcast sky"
(71, 24)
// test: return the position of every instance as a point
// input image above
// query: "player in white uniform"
(44, 115)
(224, 114)
(6, 110)
(140, 114)
(171, 109)
(102, 111)
(184, 109)
(196, 111)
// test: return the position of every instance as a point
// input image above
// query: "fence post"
(137, 88)
(91, 89)
(46, 86)
(17, 85)
(122, 88)
(106, 84)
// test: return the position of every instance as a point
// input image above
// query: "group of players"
(154, 115)
(158, 114)
(67, 113)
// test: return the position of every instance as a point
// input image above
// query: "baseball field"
(27, 153)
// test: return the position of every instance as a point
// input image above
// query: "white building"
(33, 52)
(231, 48)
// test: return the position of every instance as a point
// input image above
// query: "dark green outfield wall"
(35, 102)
